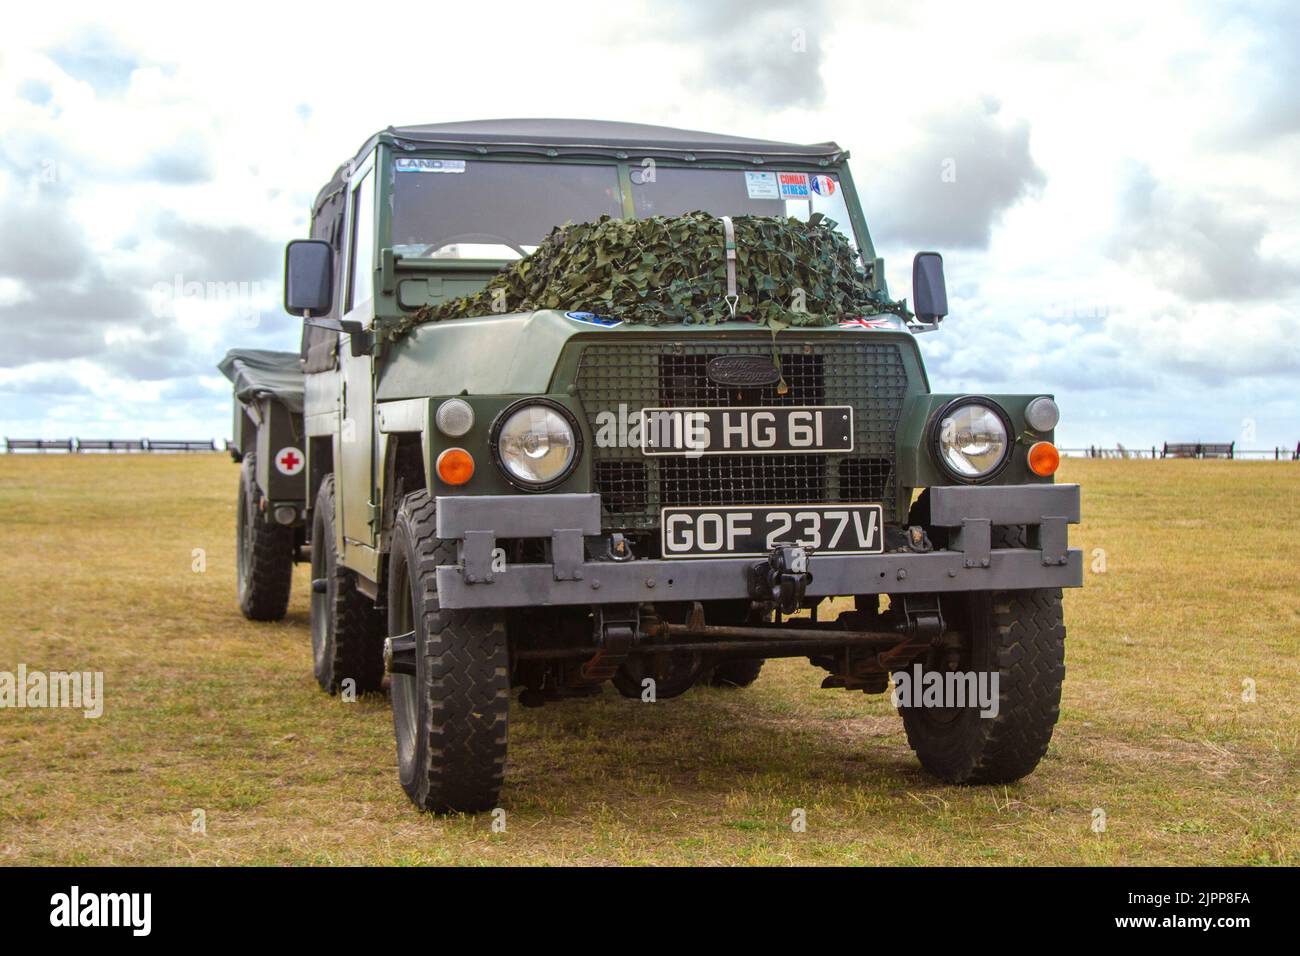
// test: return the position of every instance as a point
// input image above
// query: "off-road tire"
(263, 553)
(450, 717)
(740, 672)
(1022, 636)
(347, 633)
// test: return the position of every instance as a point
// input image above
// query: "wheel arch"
(403, 473)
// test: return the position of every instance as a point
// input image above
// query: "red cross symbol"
(289, 461)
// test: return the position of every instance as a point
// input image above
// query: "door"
(355, 466)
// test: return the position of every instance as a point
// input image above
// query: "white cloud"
(150, 146)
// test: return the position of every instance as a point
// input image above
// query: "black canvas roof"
(578, 137)
(600, 133)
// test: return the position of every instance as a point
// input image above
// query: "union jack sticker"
(867, 324)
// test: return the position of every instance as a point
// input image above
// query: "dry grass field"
(204, 710)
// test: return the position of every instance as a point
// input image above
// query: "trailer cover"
(261, 373)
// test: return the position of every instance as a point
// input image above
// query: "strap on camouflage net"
(729, 243)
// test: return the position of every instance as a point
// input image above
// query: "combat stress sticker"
(793, 185)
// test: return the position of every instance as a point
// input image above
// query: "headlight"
(536, 443)
(972, 439)
(1042, 414)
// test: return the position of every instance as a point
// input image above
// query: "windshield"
(672, 191)
(468, 209)
(463, 209)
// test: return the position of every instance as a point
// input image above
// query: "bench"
(37, 444)
(1199, 450)
(152, 445)
(110, 444)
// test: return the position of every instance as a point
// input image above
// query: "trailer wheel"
(673, 675)
(346, 631)
(450, 715)
(263, 553)
(1020, 637)
(736, 673)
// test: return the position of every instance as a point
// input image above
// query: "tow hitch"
(783, 578)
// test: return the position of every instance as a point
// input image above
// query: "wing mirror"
(929, 294)
(308, 277)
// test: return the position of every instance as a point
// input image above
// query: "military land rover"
(552, 499)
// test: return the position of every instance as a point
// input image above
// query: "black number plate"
(747, 431)
(744, 531)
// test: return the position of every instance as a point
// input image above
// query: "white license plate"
(734, 531)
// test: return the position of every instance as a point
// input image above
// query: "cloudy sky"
(1114, 186)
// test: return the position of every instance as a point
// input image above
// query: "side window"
(362, 285)
(318, 344)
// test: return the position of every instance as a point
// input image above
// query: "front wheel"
(450, 715)
(1019, 638)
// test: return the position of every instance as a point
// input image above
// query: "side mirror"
(929, 294)
(308, 277)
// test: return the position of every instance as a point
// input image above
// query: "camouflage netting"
(673, 269)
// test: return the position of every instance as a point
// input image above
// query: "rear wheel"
(263, 553)
(1018, 636)
(346, 630)
(450, 715)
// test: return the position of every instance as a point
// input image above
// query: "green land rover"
(552, 498)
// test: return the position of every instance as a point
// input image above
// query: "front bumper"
(969, 564)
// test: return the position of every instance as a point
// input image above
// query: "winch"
(783, 578)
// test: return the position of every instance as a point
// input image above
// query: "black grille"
(865, 479)
(684, 382)
(742, 480)
(621, 379)
(622, 485)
